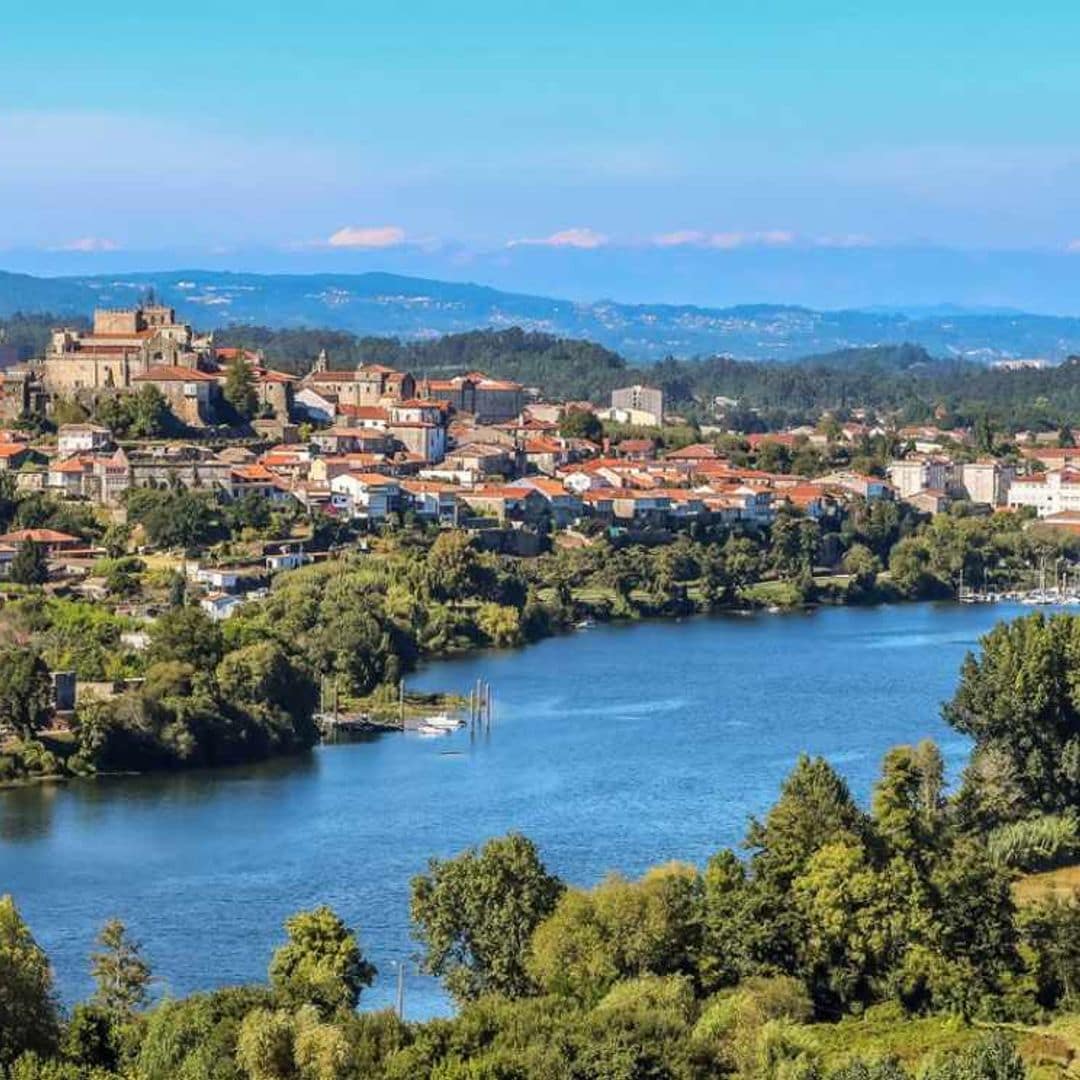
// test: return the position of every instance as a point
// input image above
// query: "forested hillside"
(902, 378)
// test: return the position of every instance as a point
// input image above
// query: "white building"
(82, 438)
(986, 482)
(641, 404)
(366, 495)
(1055, 492)
(913, 475)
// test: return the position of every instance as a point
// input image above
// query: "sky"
(558, 145)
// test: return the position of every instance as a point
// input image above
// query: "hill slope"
(378, 303)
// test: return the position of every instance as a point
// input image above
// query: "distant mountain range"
(389, 304)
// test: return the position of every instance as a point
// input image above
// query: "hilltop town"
(150, 475)
(143, 400)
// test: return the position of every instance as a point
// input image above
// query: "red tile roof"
(173, 373)
(39, 536)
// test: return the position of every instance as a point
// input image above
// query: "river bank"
(55, 755)
(618, 747)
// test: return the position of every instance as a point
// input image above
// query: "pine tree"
(119, 970)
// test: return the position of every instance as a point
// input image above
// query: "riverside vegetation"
(202, 693)
(844, 942)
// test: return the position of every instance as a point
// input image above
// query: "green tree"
(907, 799)
(25, 690)
(29, 1018)
(321, 964)
(500, 624)
(264, 1045)
(1020, 699)
(620, 930)
(451, 565)
(30, 566)
(863, 566)
(186, 635)
(909, 569)
(581, 424)
(119, 971)
(475, 914)
(116, 539)
(150, 415)
(194, 1038)
(239, 388)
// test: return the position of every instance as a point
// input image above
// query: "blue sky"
(477, 138)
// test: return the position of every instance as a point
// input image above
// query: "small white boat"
(585, 624)
(443, 722)
(430, 730)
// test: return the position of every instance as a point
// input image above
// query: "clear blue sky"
(460, 131)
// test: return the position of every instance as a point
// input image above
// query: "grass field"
(1062, 883)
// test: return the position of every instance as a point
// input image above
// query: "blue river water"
(613, 748)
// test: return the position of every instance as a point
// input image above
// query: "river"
(613, 748)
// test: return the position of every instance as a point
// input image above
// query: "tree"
(907, 799)
(794, 545)
(187, 635)
(239, 388)
(321, 964)
(148, 413)
(501, 625)
(909, 569)
(119, 970)
(25, 690)
(476, 913)
(29, 1019)
(581, 424)
(261, 680)
(620, 930)
(1020, 699)
(30, 566)
(451, 565)
(863, 566)
(857, 920)
(264, 1045)
(116, 539)
(815, 809)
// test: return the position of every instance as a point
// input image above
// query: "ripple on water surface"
(614, 748)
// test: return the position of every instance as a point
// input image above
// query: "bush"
(1035, 844)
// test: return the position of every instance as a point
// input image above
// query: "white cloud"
(681, 238)
(776, 238)
(729, 241)
(845, 240)
(1073, 247)
(725, 241)
(89, 244)
(368, 236)
(583, 238)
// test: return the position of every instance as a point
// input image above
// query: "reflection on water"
(617, 748)
(26, 813)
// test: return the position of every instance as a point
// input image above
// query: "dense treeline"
(834, 948)
(897, 379)
(359, 619)
(903, 380)
(28, 334)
